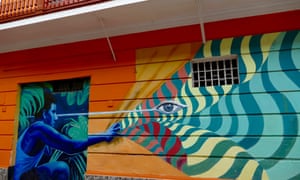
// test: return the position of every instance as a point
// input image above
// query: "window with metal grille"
(215, 71)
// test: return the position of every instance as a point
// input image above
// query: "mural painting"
(244, 131)
(248, 130)
(52, 141)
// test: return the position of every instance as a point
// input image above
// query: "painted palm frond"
(76, 128)
(32, 100)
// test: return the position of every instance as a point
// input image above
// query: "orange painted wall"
(108, 86)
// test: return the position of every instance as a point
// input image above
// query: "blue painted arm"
(39, 134)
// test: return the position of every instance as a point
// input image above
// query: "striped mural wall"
(245, 131)
(249, 130)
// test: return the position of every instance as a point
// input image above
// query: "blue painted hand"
(112, 131)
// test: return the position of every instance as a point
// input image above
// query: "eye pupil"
(168, 107)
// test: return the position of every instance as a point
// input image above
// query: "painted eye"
(169, 107)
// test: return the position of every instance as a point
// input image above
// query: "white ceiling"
(94, 21)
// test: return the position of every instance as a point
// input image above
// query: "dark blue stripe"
(215, 48)
(236, 45)
(250, 105)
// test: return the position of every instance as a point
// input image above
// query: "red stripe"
(176, 147)
(277, 22)
(156, 128)
(134, 131)
(160, 95)
(153, 143)
(173, 90)
(181, 161)
(146, 127)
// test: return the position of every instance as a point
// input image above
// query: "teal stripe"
(258, 59)
(256, 52)
(136, 136)
(288, 40)
(227, 121)
(295, 52)
(129, 130)
(148, 106)
(242, 69)
(156, 102)
(208, 99)
(187, 68)
(217, 124)
(195, 147)
(296, 177)
(255, 46)
(170, 143)
(215, 48)
(257, 103)
(287, 143)
(288, 62)
(178, 84)
(165, 91)
(236, 45)
(257, 128)
(194, 101)
(258, 175)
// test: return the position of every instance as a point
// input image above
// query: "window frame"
(207, 75)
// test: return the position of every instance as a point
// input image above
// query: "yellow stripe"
(193, 160)
(133, 118)
(185, 128)
(200, 98)
(250, 66)
(248, 61)
(173, 125)
(187, 101)
(191, 140)
(266, 43)
(249, 170)
(226, 46)
(226, 89)
(265, 176)
(207, 49)
(245, 45)
(206, 150)
(213, 93)
(164, 118)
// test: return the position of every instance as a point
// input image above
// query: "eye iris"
(168, 107)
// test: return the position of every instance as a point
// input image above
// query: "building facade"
(224, 105)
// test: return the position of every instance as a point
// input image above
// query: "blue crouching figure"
(33, 143)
